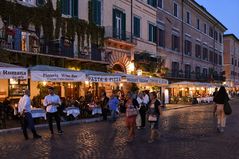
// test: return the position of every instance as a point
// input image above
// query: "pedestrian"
(113, 106)
(143, 108)
(24, 108)
(221, 98)
(215, 106)
(154, 113)
(104, 105)
(51, 102)
(131, 113)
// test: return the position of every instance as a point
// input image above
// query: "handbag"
(131, 112)
(227, 108)
(152, 118)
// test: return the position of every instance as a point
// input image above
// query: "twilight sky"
(226, 11)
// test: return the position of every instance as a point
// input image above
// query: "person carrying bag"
(222, 107)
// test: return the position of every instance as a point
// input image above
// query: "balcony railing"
(120, 34)
(193, 76)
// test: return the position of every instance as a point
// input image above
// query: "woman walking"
(153, 116)
(220, 99)
(131, 113)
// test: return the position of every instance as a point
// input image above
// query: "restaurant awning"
(193, 84)
(8, 71)
(143, 79)
(55, 74)
(96, 76)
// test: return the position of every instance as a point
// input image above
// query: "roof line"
(205, 10)
(233, 35)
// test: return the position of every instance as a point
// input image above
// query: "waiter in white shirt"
(51, 102)
(24, 108)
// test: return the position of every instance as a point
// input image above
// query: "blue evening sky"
(226, 11)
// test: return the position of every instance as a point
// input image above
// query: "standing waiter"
(51, 102)
(24, 108)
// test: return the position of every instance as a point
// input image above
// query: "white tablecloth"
(72, 111)
(205, 99)
(38, 113)
(96, 110)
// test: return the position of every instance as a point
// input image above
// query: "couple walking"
(154, 113)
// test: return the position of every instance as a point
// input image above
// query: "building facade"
(231, 59)
(190, 40)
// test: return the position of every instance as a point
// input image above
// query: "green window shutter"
(90, 11)
(114, 23)
(65, 5)
(150, 32)
(136, 27)
(123, 26)
(98, 15)
(154, 34)
(74, 6)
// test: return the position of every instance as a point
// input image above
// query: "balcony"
(177, 75)
(118, 34)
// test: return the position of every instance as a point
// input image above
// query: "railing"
(120, 34)
(193, 76)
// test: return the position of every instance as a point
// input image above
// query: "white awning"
(8, 71)
(96, 76)
(191, 84)
(55, 74)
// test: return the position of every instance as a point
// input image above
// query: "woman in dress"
(131, 113)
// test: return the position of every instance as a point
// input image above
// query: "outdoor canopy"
(9, 71)
(191, 84)
(55, 74)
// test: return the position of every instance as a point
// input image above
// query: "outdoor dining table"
(38, 113)
(205, 99)
(95, 109)
(72, 111)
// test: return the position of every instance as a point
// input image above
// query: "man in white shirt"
(24, 108)
(51, 102)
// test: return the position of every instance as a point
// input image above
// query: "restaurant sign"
(57, 76)
(14, 73)
(98, 78)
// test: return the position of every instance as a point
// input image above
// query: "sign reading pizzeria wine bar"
(57, 76)
(14, 73)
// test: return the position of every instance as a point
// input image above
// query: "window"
(215, 35)
(198, 51)
(238, 63)
(175, 43)
(235, 63)
(175, 10)
(188, 18)
(161, 37)
(198, 24)
(215, 58)
(198, 72)
(96, 11)
(205, 28)
(187, 71)
(119, 24)
(160, 3)
(232, 61)
(175, 69)
(211, 32)
(204, 72)
(153, 3)
(152, 33)
(220, 60)
(40, 2)
(205, 54)
(137, 27)
(211, 56)
(220, 38)
(70, 7)
(188, 47)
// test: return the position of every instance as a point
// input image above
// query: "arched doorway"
(118, 68)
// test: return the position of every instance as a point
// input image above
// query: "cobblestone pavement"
(187, 133)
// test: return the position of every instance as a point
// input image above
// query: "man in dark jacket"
(104, 105)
